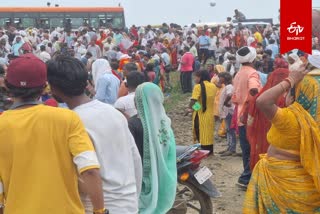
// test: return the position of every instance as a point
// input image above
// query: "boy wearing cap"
(42, 146)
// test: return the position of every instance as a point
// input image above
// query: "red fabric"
(51, 102)
(279, 62)
(122, 63)
(115, 73)
(99, 42)
(296, 19)
(258, 125)
(134, 32)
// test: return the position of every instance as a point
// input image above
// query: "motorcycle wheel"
(197, 201)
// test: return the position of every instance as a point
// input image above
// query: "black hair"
(134, 79)
(89, 54)
(272, 41)
(231, 57)
(186, 48)
(130, 67)
(26, 94)
(42, 48)
(67, 74)
(258, 65)
(149, 67)
(227, 77)
(268, 52)
(204, 76)
(2, 71)
(114, 64)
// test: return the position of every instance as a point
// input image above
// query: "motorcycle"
(195, 188)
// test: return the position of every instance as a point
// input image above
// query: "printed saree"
(283, 186)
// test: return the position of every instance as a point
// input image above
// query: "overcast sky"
(142, 12)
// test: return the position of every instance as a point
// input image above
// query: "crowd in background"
(228, 69)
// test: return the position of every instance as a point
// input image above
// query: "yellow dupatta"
(310, 142)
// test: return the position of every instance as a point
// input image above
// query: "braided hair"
(204, 76)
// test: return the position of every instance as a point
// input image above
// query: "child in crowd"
(226, 111)
(150, 73)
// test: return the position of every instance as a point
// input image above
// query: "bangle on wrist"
(290, 81)
(283, 88)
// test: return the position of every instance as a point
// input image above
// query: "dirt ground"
(226, 170)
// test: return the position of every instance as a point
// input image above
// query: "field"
(226, 170)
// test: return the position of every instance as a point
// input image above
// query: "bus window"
(109, 22)
(85, 22)
(97, 20)
(5, 22)
(117, 22)
(44, 23)
(55, 19)
(75, 20)
(56, 22)
(17, 23)
(27, 22)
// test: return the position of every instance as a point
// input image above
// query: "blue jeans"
(245, 147)
(231, 134)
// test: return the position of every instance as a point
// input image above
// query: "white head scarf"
(246, 55)
(99, 68)
(314, 59)
(297, 62)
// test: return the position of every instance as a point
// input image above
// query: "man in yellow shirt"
(42, 150)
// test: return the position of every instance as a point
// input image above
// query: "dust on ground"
(226, 170)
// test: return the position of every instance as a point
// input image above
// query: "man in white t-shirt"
(169, 35)
(121, 168)
(44, 55)
(213, 45)
(126, 103)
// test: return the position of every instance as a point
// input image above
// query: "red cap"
(27, 71)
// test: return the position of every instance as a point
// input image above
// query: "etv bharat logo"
(297, 29)
(294, 28)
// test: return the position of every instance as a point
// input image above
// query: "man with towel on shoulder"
(312, 79)
(246, 85)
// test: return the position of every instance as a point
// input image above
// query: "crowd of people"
(103, 126)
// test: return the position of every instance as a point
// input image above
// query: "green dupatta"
(159, 150)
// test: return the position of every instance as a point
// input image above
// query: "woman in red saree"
(174, 53)
(257, 124)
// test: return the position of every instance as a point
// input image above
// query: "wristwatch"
(102, 211)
